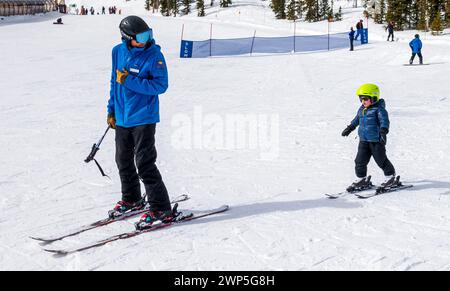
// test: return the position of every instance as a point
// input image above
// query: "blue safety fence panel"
(271, 45)
(231, 47)
(365, 36)
(266, 45)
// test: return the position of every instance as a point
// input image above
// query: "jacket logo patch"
(159, 64)
(133, 70)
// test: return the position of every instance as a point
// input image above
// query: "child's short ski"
(397, 186)
(368, 186)
(183, 217)
(102, 222)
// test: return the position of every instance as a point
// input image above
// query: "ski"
(180, 219)
(355, 191)
(382, 190)
(375, 193)
(102, 222)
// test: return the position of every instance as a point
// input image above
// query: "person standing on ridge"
(139, 75)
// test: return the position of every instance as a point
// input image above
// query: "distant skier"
(390, 29)
(373, 121)
(139, 75)
(359, 29)
(416, 47)
(351, 36)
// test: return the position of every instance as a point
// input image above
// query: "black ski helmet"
(130, 26)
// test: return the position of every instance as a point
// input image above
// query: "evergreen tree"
(436, 24)
(324, 11)
(147, 5)
(447, 13)
(165, 8)
(200, 8)
(299, 8)
(187, 7)
(311, 11)
(421, 12)
(338, 15)
(380, 13)
(225, 3)
(174, 7)
(291, 13)
(279, 8)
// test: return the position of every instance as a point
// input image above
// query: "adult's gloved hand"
(111, 120)
(383, 138)
(348, 130)
(121, 76)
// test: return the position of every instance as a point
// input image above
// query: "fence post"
(210, 41)
(182, 32)
(328, 34)
(295, 28)
(253, 42)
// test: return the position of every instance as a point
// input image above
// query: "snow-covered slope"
(54, 88)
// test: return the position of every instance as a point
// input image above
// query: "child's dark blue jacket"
(371, 120)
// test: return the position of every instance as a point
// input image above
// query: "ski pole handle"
(96, 147)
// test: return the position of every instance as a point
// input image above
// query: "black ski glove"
(348, 130)
(383, 138)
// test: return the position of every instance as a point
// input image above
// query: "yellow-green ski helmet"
(370, 90)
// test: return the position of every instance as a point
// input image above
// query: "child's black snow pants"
(365, 151)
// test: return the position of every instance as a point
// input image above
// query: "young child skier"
(373, 121)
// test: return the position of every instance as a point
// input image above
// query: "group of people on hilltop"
(85, 11)
(415, 44)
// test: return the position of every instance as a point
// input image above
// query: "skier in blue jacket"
(416, 47)
(373, 121)
(351, 35)
(139, 75)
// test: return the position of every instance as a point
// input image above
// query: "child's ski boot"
(360, 184)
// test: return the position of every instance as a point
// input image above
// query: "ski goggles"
(145, 36)
(364, 98)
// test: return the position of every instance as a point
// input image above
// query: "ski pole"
(94, 151)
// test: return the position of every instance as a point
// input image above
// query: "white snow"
(54, 88)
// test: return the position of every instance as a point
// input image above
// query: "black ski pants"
(391, 34)
(420, 57)
(365, 151)
(135, 147)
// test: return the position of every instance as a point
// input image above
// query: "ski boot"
(389, 183)
(123, 207)
(156, 217)
(360, 184)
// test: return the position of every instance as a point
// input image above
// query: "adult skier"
(139, 75)
(351, 35)
(359, 29)
(416, 48)
(390, 29)
(373, 121)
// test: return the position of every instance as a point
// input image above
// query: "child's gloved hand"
(383, 138)
(348, 130)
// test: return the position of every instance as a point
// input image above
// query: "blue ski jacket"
(351, 34)
(136, 102)
(371, 120)
(416, 45)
